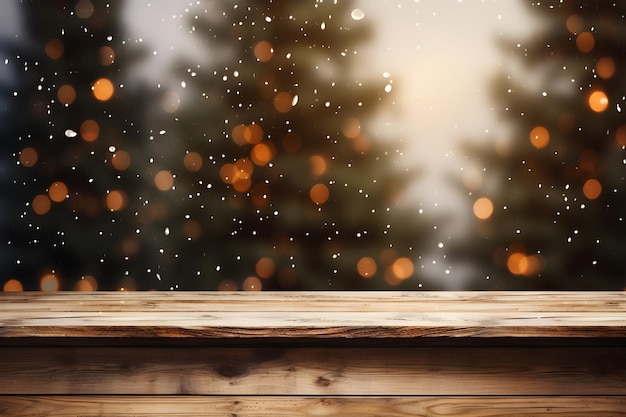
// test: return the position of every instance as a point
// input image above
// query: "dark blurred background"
(277, 146)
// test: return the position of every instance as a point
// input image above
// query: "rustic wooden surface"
(323, 371)
(383, 315)
(101, 406)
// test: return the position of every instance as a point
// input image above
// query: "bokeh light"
(86, 283)
(592, 189)
(539, 137)
(585, 41)
(263, 51)
(106, 56)
(262, 153)
(318, 165)
(483, 208)
(58, 191)
(115, 200)
(283, 102)
(41, 204)
(351, 128)
(620, 135)
(252, 284)
(260, 195)
(28, 157)
(170, 101)
(366, 267)
(605, 68)
(89, 130)
(227, 285)
(120, 160)
(49, 282)
(319, 194)
(66, 94)
(164, 180)
(103, 89)
(598, 101)
(192, 161)
(265, 267)
(518, 263)
(84, 9)
(54, 49)
(13, 285)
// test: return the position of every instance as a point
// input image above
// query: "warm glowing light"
(519, 263)
(403, 268)
(574, 23)
(89, 130)
(120, 160)
(318, 165)
(283, 102)
(265, 267)
(605, 68)
(228, 173)
(247, 134)
(483, 208)
(585, 42)
(192, 161)
(244, 168)
(164, 180)
(127, 284)
(263, 51)
(243, 184)
(41, 204)
(103, 89)
(319, 194)
(592, 189)
(227, 285)
(58, 191)
(598, 101)
(351, 128)
(192, 229)
(262, 153)
(620, 135)
(366, 267)
(260, 195)
(49, 282)
(12, 285)
(54, 49)
(106, 56)
(115, 200)
(84, 9)
(66, 94)
(28, 157)
(539, 137)
(252, 284)
(86, 283)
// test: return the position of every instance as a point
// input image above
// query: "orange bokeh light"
(539, 137)
(103, 89)
(120, 160)
(265, 267)
(598, 101)
(318, 165)
(483, 208)
(605, 67)
(585, 41)
(366, 267)
(49, 282)
(28, 157)
(54, 49)
(115, 200)
(263, 51)
(66, 94)
(620, 135)
(282, 102)
(192, 161)
(319, 194)
(592, 189)
(106, 56)
(58, 191)
(164, 180)
(351, 128)
(86, 283)
(574, 23)
(262, 153)
(252, 284)
(13, 285)
(89, 130)
(518, 263)
(41, 204)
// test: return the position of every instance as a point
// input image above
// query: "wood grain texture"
(382, 315)
(190, 406)
(314, 371)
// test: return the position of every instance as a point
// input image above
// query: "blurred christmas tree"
(277, 182)
(70, 134)
(550, 209)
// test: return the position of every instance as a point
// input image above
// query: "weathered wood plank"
(317, 315)
(189, 406)
(314, 371)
